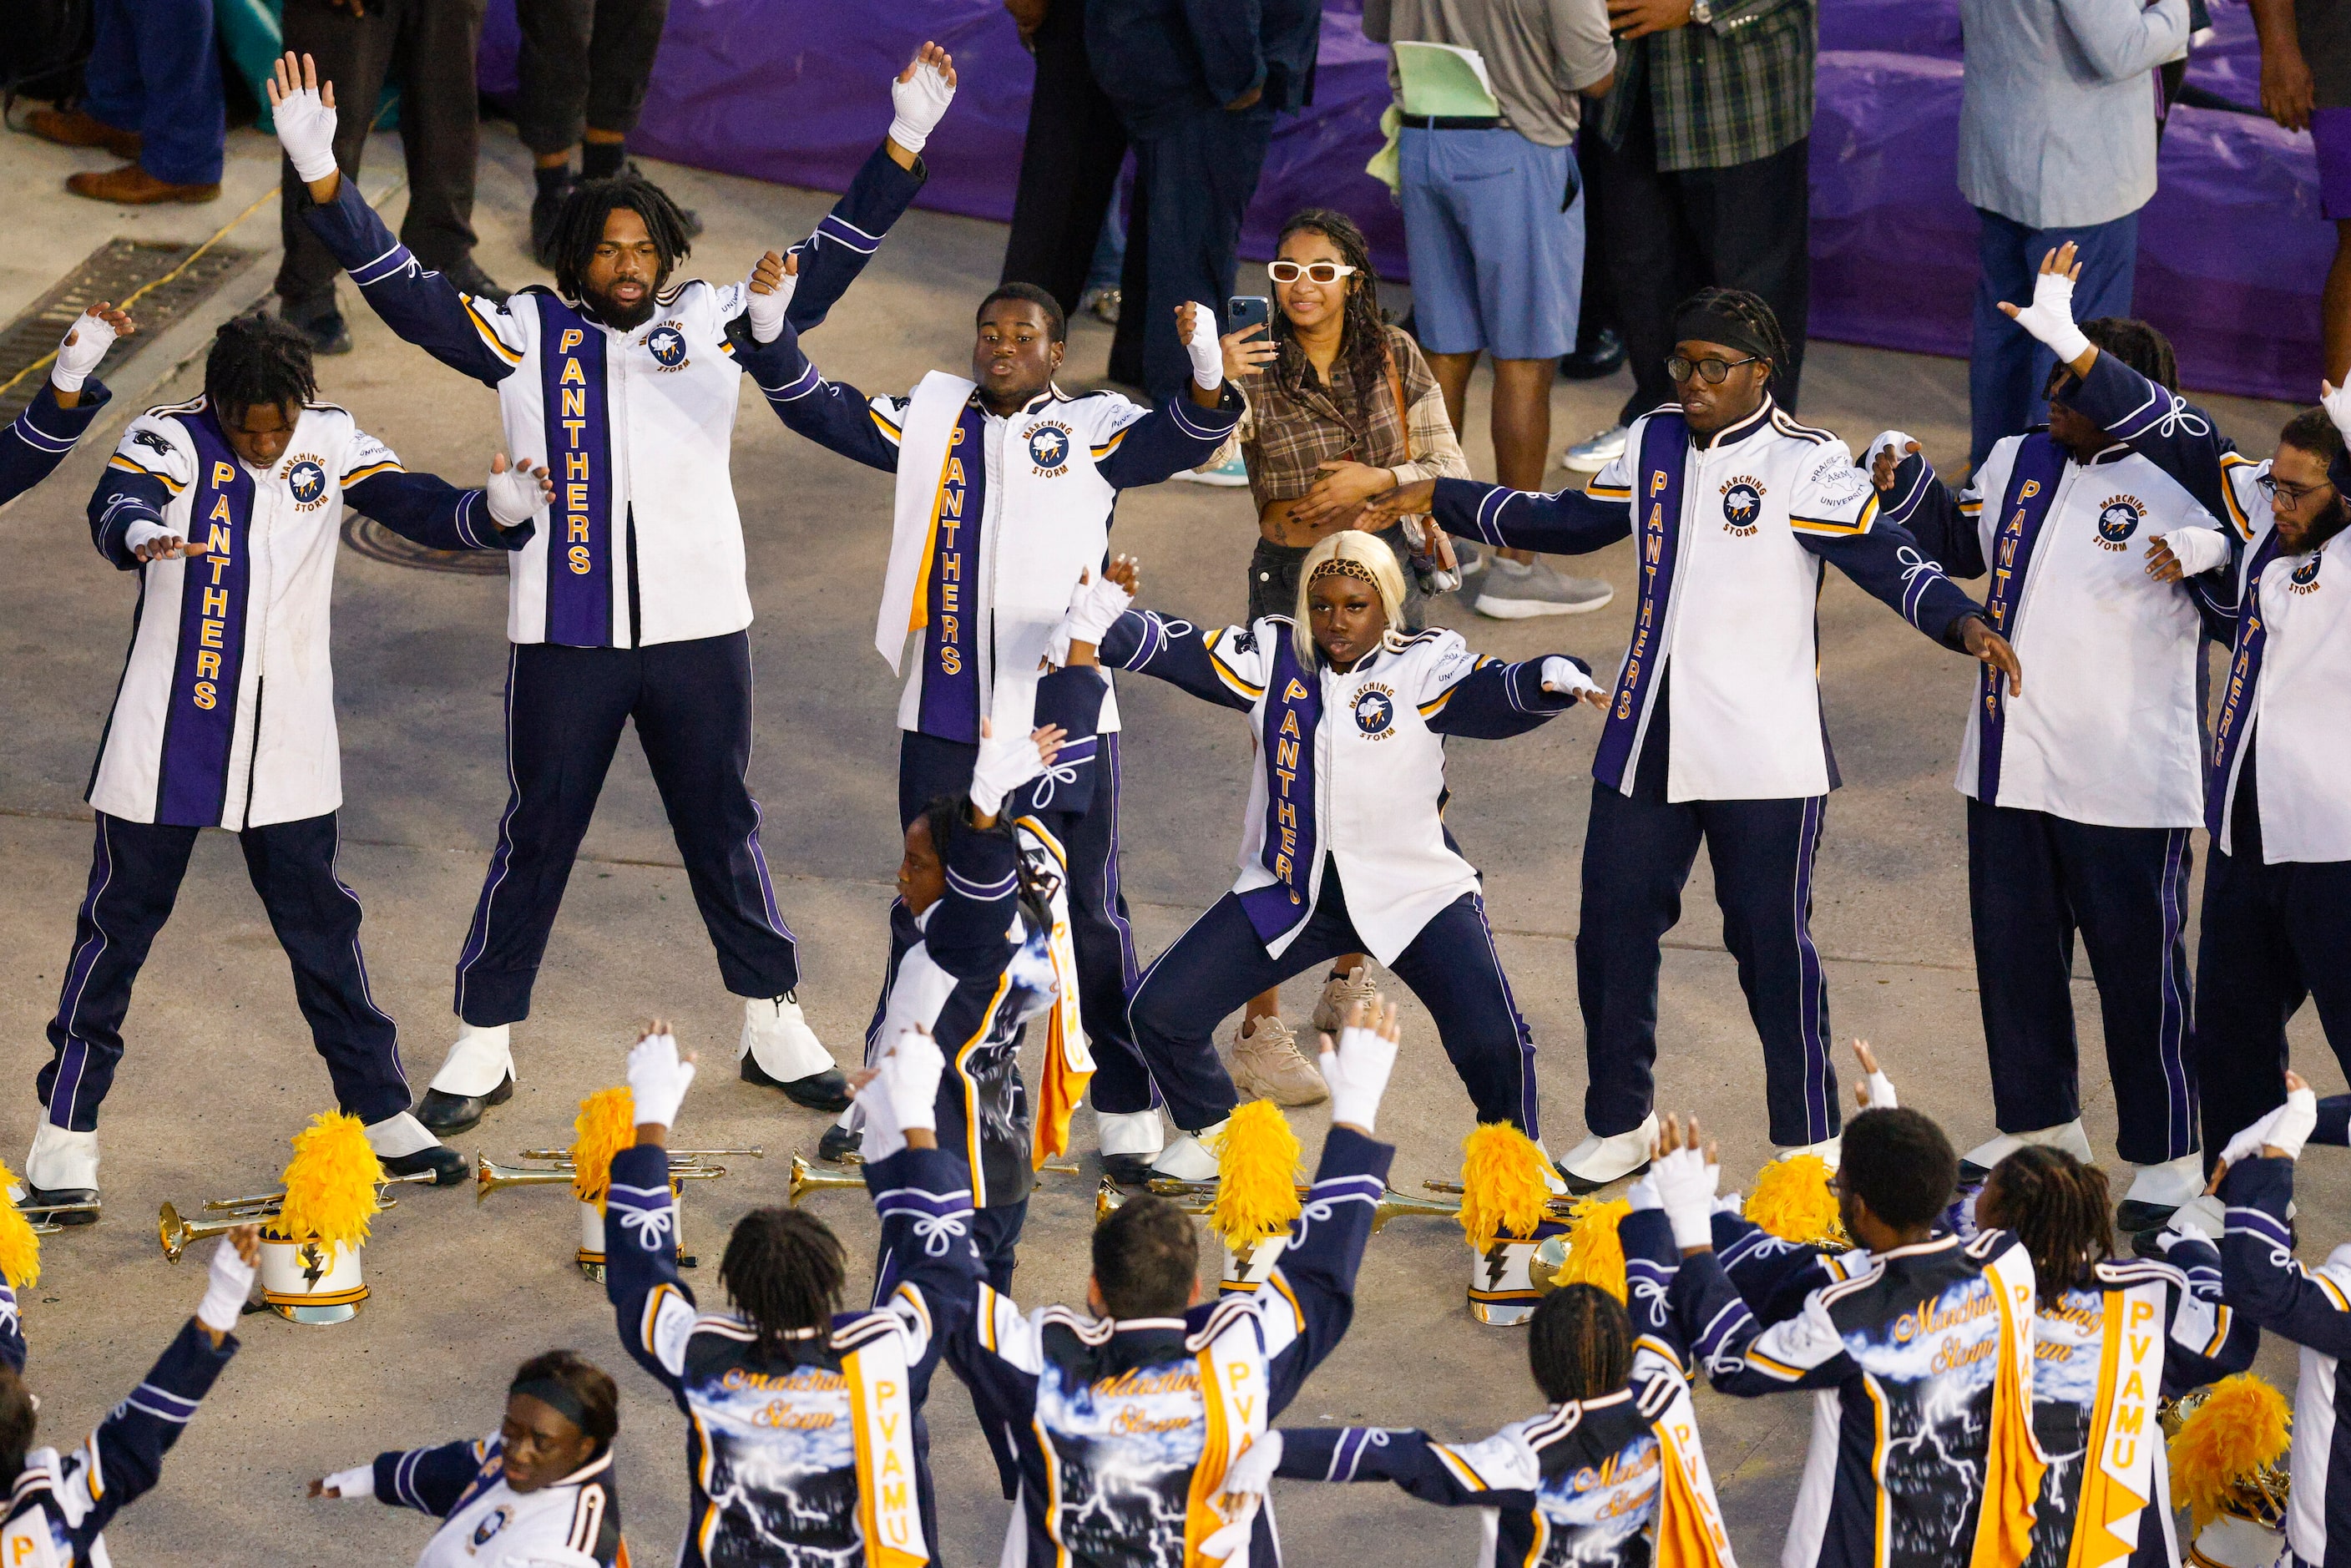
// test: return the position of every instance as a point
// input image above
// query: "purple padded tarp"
(2232, 250)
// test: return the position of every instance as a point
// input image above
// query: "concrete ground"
(219, 1073)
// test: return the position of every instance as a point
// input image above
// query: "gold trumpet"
(1392, 1203)
(252, 1207)
(490, 1177)
(39, 1214)
(176, 1234)
(807, 1178)
(1559, 1207)
(676, 1157)
(1110, 1197)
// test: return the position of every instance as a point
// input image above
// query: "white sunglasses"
(1319, 271)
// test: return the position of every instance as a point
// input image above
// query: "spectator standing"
(1493, 222)
(152, 96)
(2306, 86)
(427, 48)
(2056, 147)
(1707, 143)
(1198, 86)
(1069, 162)
(584, 68)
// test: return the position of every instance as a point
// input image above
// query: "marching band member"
(2311, 1307)
(1923, 1447)
(2277, 890)
(1344, 849)
(37, 439)
(228, 508)
(2081, 793)
(1128, 1417)
(628, 383)
(1715, 728)
(536, 1493)
(59, 1505)
(1005, 490)
(802, 1438)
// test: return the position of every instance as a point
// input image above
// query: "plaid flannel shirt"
(1729, 92)
(1283, 440)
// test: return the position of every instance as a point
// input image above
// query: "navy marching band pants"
(135, 871)
(1220, 963)
(2274, 936)
(690, 702)
(2033, 879)
(1637, 855)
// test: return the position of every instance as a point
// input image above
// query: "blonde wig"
(1365, 556)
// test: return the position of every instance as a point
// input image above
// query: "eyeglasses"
(1319, 271)
(2292, 494)
(1712, 372)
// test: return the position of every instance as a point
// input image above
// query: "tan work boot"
(1267, 1066)
(80, 128)
(1339, 995)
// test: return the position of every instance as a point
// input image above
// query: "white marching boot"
(478, 1074)
(1129, 1142)
(2157, 1191)
(778, 1051)
(1597, 1161)
(1190, 1156)
(404, 1147)
(1829, 1149)
(1977, 1163)
(62, 1168)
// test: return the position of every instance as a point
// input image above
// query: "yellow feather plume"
(1257, 1175)
(1503, 1188)
(20, 1250)
(1595, 1253)
(606, 1125)
(1793, 1201)
(331, 1183)
(2243, 1425)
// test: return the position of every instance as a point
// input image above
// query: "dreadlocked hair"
(1363, 329)
(259, 361)
(1752, 309)
(948, 817)
(579, 227)
(2136, 344)
(2059, 1209)
(784, 1270)
(1580, 1344)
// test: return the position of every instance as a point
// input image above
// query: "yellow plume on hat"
(20, 1250)
(1257, 1175)
(2241, 1428)
(606, 1125)
(331, 1184)
(1793, 1201)
(1503, 1184)
(1595, 1253)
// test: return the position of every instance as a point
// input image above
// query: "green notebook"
(1443, 80)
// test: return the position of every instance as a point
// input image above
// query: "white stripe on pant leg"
(502, 853)
(1529, 1107)
(358, 959)
(758, 818)
(74, 1012)
(1813, 1000)
(2171, 1030)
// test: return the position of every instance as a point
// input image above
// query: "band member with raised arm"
(2277, 889)
(631, 605)
(1129, 1414)
(800, 1444)
(1005, 490)
(38, 438)
(536, 1493)
(228, 508)
(1343, 845)
(1715, 732)
(60, 1504)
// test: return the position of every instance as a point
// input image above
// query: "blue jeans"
(153, 70)
(2007, 370)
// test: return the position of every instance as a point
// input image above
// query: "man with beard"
(630, 604)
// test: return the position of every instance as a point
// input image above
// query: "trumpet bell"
(1392, 1203)
(177, 1233)
(807, 1178)
(490, 1177)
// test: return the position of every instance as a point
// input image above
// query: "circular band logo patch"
(1374, 711)
(668, 346)
(2307, 572)
(306, 481)
(1049, 446)
(2118, 519)
(1741, 506)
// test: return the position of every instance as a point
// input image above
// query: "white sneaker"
(1187, 1157)
(1597, 1161)
(1513, 590)
(1469, 559)
(62, 1159)
(1231, 472)
(1827, 1148)
(480, 1060)
(1977, 1163)
(1592, 454)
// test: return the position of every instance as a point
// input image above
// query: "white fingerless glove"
(85, 344)
(1091, 613)
(2297, 1119)
(1560, 675)
(2198, 550)
(144, 532)
(916, 106)
(910, 1072)
(1881, 1091)
(1686, 1188)
(306, 129)
(1207, 354)
(1897, 441)
(357, 1481)
(1252, 1473)
(514, 497)
(1008, 759)
(2050, 316)
(2336, 401)
(225, 1288)
(1357, 1075)
(879, 1135)
(1643, 1194)
(766, 310)
(657, 1079)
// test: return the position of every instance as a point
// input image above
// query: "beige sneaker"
(1339, 995)
(1267, 1065)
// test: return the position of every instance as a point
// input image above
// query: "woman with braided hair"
(1349, 714)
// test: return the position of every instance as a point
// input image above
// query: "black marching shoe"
(825, 1091)
(323, 324)
(1128, 1170)
(840, 1143)
(41, 1197)
(1601, 356)
(447, 1166)
(443, 1113)
(2134, 1214)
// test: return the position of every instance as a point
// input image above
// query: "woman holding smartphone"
(1339, 405)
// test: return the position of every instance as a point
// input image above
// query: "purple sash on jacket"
(1658, 524)
(200, 724)
(1293, 707)
(580, 543)
(2237, 699)
(2032, 485)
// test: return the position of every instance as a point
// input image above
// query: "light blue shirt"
(2057, 125)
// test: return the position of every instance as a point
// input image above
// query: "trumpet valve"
(1108, 1198)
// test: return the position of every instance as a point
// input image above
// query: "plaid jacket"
(1730, 92)
(1283, 439)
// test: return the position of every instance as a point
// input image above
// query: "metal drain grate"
(176, 278)
(374, 540)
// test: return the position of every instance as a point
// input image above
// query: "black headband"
(555, 1396)
(1704, 324)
